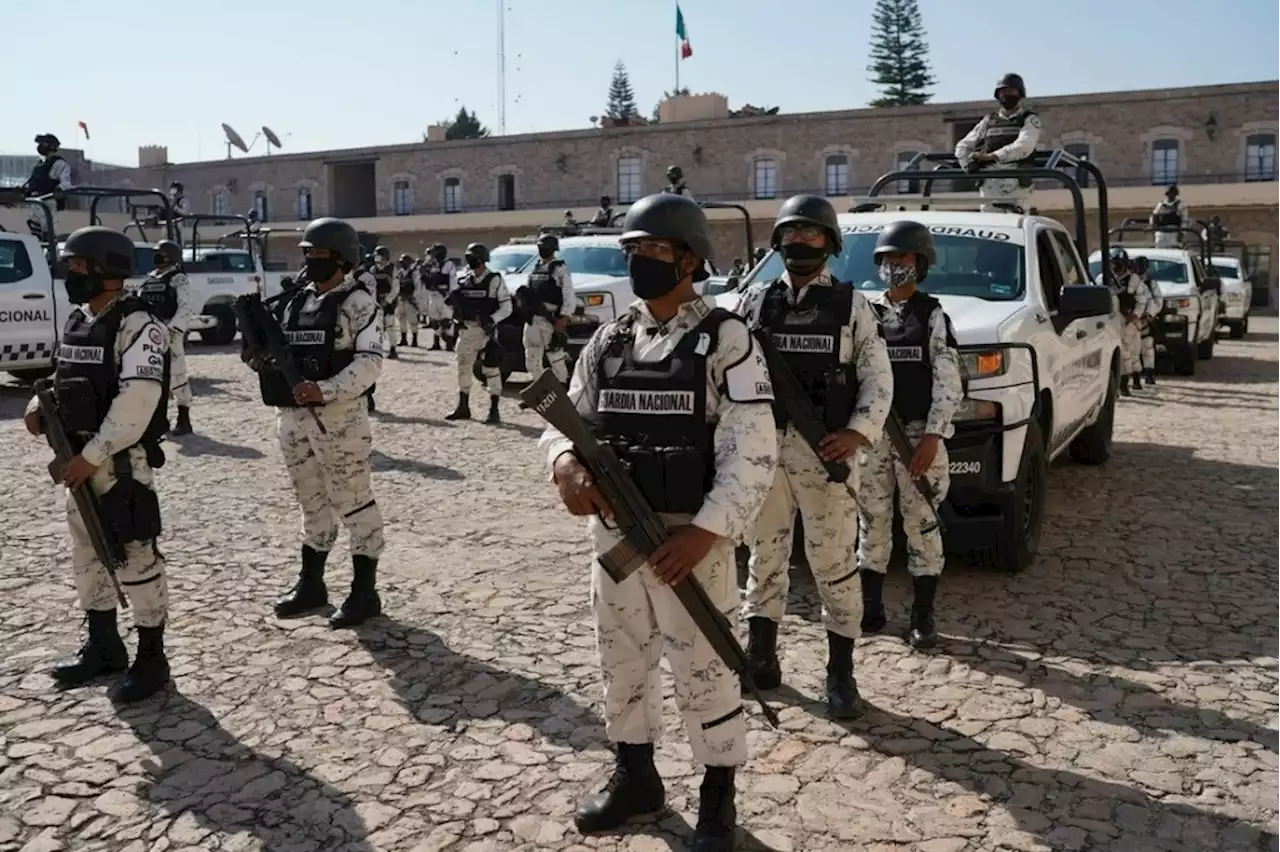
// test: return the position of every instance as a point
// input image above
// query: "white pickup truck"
(1237, 294)
(1040, 350)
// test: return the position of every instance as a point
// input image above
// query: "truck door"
(29, 317)
(1094, 374)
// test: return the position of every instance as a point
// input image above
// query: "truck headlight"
(983, 365)
(1177, 304)
(976, 409)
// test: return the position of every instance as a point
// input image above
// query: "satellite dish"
(272, 138)
(233, 138)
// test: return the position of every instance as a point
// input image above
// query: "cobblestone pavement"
(1121, 695)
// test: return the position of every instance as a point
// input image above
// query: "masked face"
(895, 275)
(802, 258)
(160, 260)
(82, 287)
(473, 260)
(43, 150)
(321, 269)
(546, 252)
(1009, 101)
(652, 278)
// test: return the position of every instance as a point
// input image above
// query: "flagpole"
(676, 91)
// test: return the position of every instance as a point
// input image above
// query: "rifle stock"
(260, 329)
(105, 546)
(643, 532)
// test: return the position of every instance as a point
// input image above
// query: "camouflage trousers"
(881, 476)
(1130, 349)
(1168, 239)
(471, 342)
(179, 382)
(1148, 347)
(1004, 190)
(407, 314)
(331, 476)
(537, 342)
(439, 315)
(830, 530)
(142, 576)
(389, 322)
(640, 619)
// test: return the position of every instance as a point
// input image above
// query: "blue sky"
(328, 74)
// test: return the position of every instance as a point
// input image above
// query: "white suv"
(1039, 344)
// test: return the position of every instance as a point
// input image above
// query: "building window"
(907, 187)
(837, 179)
(1164, 162)
(219, 203)
(453, 195)
(401, 198)
(764, 178)
(1257, 262)
(506, 192)
(1079, 150)
(629, 178)
(1260, 157)
(304, 204)
(260, 205)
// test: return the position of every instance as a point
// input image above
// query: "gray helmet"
(382, 252)
(1011, 81)
(108, 248)
(667, 216)
(809, 210)
(675, 172)
(909, 237)
(438, 251)
(169, 249)
(406, 258)
(48, 139)
(1119, 254)
(177, 184)
(478, 250)
(336, 235)
(548, 240)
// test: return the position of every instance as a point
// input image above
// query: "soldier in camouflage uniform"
(1148, 359)
(111, 392)
(1134, 298)
(335, 330)
(1004, 138)
(927, 392)
(829, 338)
(384, 276)
(167, 293)
(652, 383)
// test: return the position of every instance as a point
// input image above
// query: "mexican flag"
(686, 49)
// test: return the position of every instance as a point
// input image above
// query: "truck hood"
(975, 320)
(1176, 291)
(515, 281)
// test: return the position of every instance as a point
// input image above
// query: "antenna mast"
(502, 72)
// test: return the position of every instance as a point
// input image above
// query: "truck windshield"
(1167, 271)
(967, 266)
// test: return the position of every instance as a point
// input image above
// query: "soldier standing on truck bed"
(1006, 137)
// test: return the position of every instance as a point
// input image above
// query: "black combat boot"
(150, 670)
(762, 653)
(1150, 375)
(363, 603)
(923, 634)
(102, 653)
(717, 812)
(435, 339)
(493, 411)
(414, 342)
(449, 343)
(404, 339)
(634, 789)
(1124, 386)
(393, 355)
(369, 404)
(1137, 381)
(309, 592)
(842, 690)
(873, 618)
(463, 411)
(183, 426)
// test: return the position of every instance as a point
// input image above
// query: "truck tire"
(225, 331)
(1018, 542)
(1184, 361)
(1093, 444)
(1237, 328)
(1204, 351)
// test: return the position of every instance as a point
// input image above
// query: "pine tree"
(899, 54)
(622, 100)
(465, 125)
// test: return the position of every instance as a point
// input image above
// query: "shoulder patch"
(749, 380)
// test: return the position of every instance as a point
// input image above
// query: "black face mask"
(321, 269)
(473, 261)
(803, 259)
(160, 260)
(1009, 102)
(652, 278)
(83, 286)
(42, 150)
(546, 253)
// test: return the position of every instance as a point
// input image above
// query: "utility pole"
(502, 72)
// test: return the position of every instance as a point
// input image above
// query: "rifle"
(263, 337)
(901, 445)
(110, 552)
(642, 530)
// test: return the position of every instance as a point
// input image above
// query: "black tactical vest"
(435, 279)
(807, 336)
(1128, 300)
(158, 292)
(1003, 130)
(312, 337)
(542, 289)
(88, 377)
(1169, 215)
(383, 276)
(654, 415)
(405, 275)
(908, 344)
(471, 301)
(41, 182)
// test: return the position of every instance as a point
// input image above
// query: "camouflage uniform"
(179, 382)
(477, 336)
(387, 303)
(1131, 335)
(1173, 210)
(408, 306)
(828, 510)
(439, 314)
(539, 331)
(637, 619)
(1010, 134)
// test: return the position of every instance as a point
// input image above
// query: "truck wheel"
(1093, 444)
(1205, 350)
(225, 331)
(1184, 361)
(1018, 542)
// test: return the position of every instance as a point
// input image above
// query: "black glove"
(486, 323)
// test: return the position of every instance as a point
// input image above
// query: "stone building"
(1217, 142)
